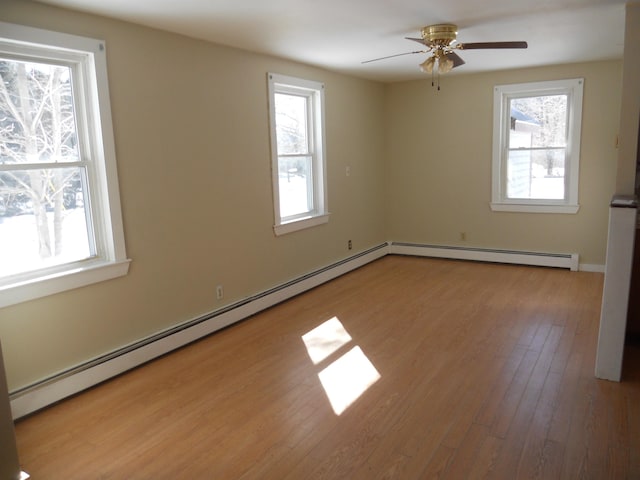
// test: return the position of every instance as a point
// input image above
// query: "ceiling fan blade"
(457, 60)
(392, 56)
(483, 45)
(419, 40)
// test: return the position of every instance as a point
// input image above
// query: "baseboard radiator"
(558, 260)
(69, 382)
(64, 384)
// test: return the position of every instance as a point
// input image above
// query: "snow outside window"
(536, 146)
(60, 220)
(297, 145)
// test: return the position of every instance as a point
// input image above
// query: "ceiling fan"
(440, 41)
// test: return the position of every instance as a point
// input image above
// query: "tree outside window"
(41, 175)
(298, 163)
(536, 146)
(60, 219)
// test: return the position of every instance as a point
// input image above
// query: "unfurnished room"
(336, 240)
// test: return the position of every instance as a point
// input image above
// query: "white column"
(615, 296)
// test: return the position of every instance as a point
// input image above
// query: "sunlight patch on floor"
(347, 378)
(325, 339)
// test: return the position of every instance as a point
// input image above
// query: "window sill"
(534, 208)
(300, 224)
(81, 276)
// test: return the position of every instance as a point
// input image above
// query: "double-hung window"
(536, 146)
(297, 148)
(60, 219)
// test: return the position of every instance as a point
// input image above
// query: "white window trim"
(111, 260)
(288, 84)
(499, 202)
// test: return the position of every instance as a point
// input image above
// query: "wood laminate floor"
(412, 368)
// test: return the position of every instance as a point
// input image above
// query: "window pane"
(536, 174)
(295, 182)
(538, 121)
(42, 219)
(37, 123)
(291, 124)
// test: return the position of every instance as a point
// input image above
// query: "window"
(536, 146)
(297, 145)
(60, 220)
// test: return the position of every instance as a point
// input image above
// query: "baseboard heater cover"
(69, 382)
(558, 260)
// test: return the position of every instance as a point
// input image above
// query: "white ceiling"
(340, 34)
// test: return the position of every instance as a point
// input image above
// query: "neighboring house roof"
(518, 115)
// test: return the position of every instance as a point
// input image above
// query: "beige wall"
(192, 144)
(439, 154)
(191, 131)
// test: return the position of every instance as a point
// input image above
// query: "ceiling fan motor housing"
(442, 34)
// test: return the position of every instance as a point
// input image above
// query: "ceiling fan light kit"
(428, 65)
(439, 62)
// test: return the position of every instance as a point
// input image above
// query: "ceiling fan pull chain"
(435, 80)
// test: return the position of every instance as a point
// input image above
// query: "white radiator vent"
(558, 260)
(64, 384)
(74, 380)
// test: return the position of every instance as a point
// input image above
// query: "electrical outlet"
(219, 292)
(349, 245)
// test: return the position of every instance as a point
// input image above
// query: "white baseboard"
(72, 381)
(64, 384)
(591, 267)
(562, 260)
